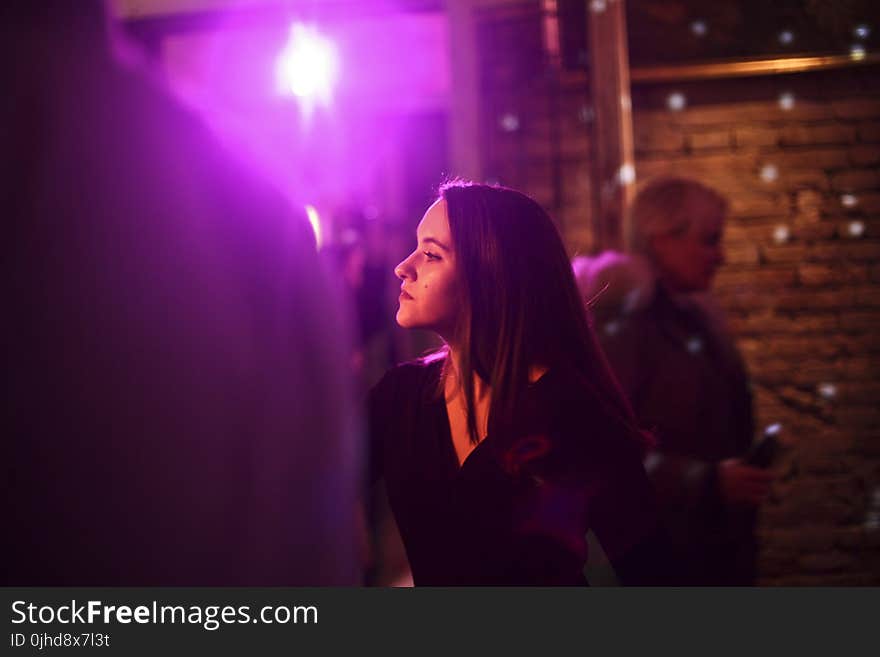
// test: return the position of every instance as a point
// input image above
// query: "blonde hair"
(670, 205)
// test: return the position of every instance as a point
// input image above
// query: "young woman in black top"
(503, 449)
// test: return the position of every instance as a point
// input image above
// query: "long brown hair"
(521, 305)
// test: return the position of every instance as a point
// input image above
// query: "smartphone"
(764, 452)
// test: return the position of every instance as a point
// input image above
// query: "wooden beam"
(613, 158)
(752, 67)
(464, 115)
(740, 68)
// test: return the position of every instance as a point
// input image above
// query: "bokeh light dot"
(849, 200)
(769, 173)
(676, 101)
(585, 114)
(781, 234)
(627, 174)
(786, 100)
(509, 122)
(827, 391)
(856, 229)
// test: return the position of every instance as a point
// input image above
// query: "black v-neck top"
(517, 511)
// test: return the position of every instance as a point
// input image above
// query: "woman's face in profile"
(687, 262)
(429, 290)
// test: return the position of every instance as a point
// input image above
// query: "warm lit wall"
(802, 289)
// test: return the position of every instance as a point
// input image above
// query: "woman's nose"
(403, 271)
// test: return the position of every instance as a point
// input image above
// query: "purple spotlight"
(307, 67)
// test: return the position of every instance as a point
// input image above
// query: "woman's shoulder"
(563, 383)
(409, 378)
(582, 418)
(397, 400)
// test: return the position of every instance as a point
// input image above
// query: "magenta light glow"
(261, 85)
(307, 67)
(315, 221)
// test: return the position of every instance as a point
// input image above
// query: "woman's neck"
(453, 386)
(481, 388)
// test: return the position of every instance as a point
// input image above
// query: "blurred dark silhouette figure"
(668, 346)
(364, 287)
(179, 411)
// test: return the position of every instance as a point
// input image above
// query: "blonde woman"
(668, 346)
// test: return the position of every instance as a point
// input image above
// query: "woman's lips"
(404, 296)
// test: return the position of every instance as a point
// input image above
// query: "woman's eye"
(431, 256)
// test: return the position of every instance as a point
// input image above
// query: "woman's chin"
(404, 320)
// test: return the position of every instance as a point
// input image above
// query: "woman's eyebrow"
(434, 240)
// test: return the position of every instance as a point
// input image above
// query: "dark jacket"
(517, 510)
(687, 382)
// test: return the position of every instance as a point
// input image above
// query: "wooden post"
(464, 110)
(613, 159)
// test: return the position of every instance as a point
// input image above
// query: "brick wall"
(798, 157)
